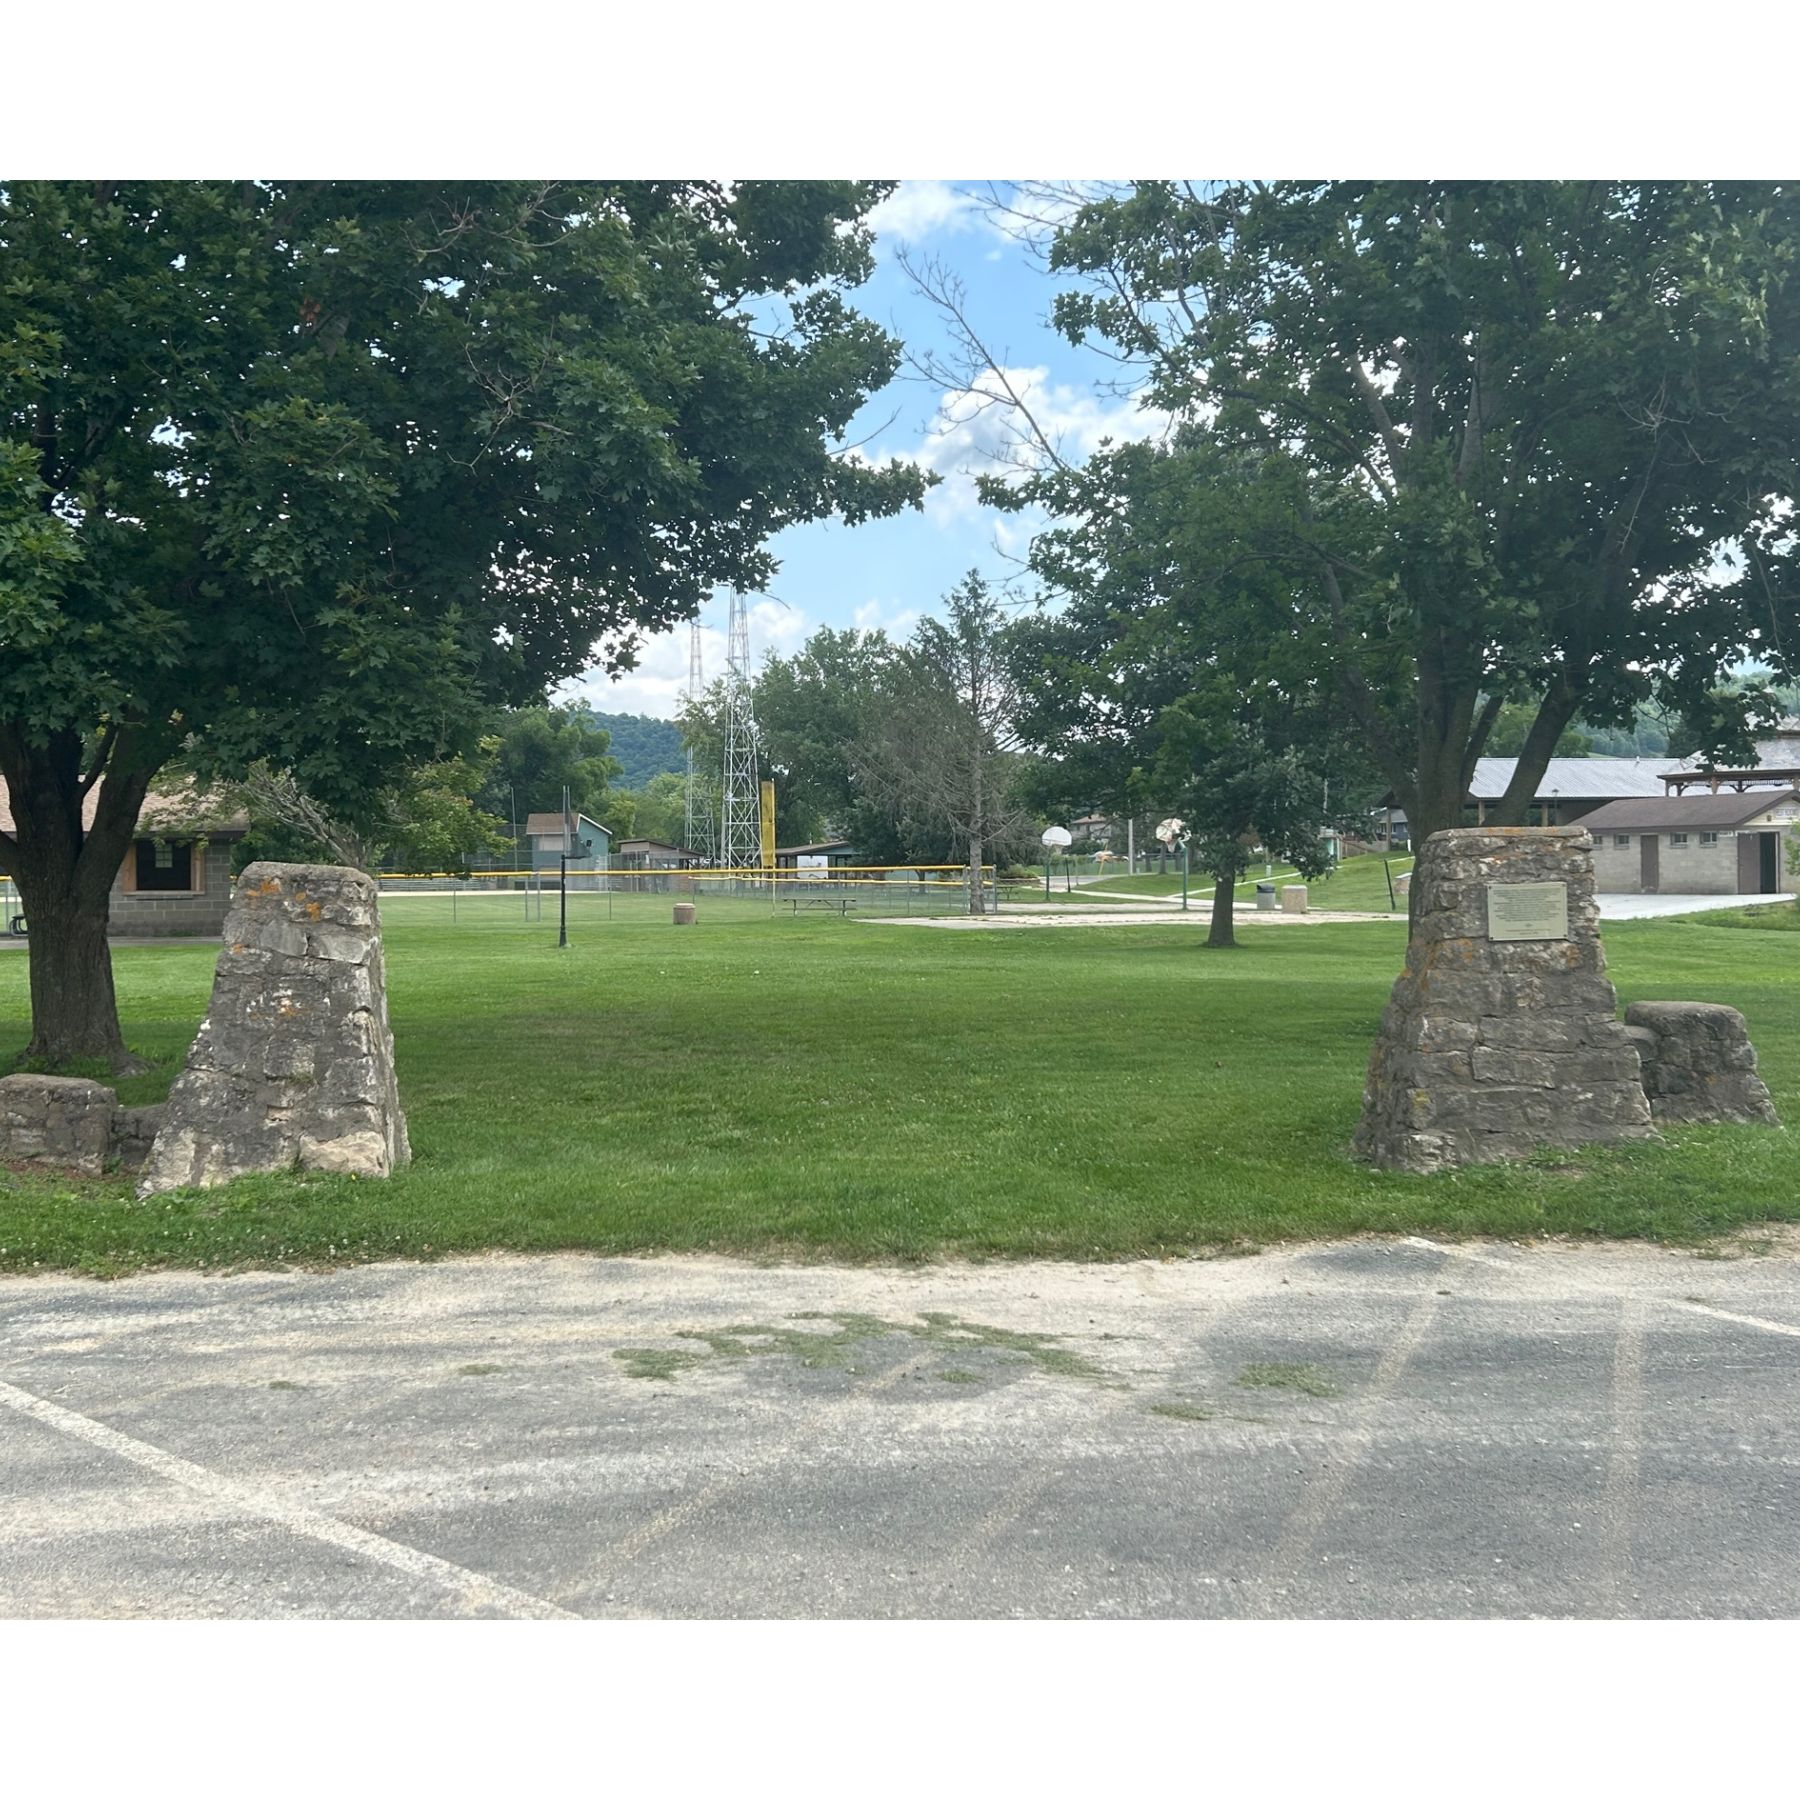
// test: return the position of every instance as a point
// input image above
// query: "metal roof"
(1578, 777)
(1685, 812)
(550, 824)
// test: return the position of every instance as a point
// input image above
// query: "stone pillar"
(294, 1063)
(1501, 1035)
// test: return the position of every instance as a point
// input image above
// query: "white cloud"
(658, 685)
(982, 432)
(917, 209)
(897, 619)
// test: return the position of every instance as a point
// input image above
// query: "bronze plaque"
(1519, 911)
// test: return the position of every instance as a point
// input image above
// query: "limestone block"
(1490, 1048)
(56, 1119)
(134, 1130)
(1293, 899)
(1698, 1064)
(293, 1065)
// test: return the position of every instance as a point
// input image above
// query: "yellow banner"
(768, 824)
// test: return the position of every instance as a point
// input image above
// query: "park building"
(176, 878)
(819, 859)
(1571, 788)
(585, 843)
(1726, 843)
(652, 853)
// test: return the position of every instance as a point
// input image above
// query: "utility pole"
(562, 896)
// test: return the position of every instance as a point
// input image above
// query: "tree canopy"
(318, 472)
(1178, 676)
(1540, 440)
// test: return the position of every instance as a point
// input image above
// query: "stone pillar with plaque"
(1502, 1034)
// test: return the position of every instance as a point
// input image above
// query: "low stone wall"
(61, 1122)
(1699, 1066)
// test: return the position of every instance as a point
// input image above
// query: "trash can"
(1266, 900)
(684, 912)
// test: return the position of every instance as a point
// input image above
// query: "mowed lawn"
(829, 1087)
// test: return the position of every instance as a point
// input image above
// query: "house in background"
(585, 842)
(1729, 843)
(176, 877)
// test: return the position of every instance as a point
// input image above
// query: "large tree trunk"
(977, 899)
(1434, 804)
(64, 873)
(1556, 711)
(74, 1014)
(1222, 933)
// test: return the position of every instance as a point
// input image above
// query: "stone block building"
(176, 878)
(1727, 843)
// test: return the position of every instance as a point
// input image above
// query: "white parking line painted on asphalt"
(473, 1588)
(1323, 1495)
(1619, 1504)
(1680, 1305)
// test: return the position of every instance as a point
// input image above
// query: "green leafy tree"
(1178, 678)
(429, 822)
(661, 804)
(643, 747)
(542, 750)
(940, 752)
(1549, 434)
(812, 711)
(1512, 728)
(319, 472)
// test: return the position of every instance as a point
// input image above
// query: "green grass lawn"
(1777, 916)
(816, 1086)
(1359, 884)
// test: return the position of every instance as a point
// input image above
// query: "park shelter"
(176, 878)
(652, 853)
(1728, 843)
(827, 855)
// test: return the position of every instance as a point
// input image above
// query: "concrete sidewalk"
(1663, 906)
(1358, 1430)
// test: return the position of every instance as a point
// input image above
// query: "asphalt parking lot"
(1370, 1429)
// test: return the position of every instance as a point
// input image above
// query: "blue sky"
(889, 572)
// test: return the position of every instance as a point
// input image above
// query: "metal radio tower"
(696, 815)
(740, 834)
